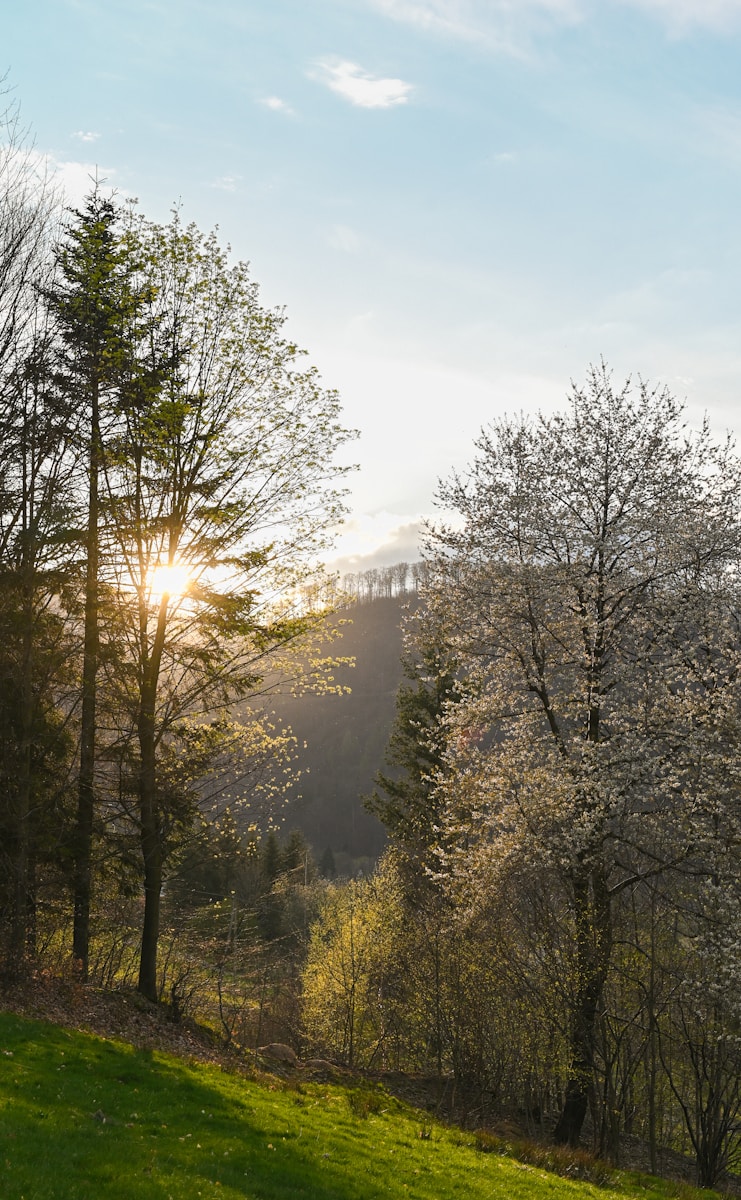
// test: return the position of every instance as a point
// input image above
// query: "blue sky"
(461, 203)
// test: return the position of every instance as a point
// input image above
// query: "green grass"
(83, 1118)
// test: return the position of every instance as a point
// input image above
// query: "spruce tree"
(406, 802)
(94, 304)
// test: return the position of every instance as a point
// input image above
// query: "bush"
(560, 1160)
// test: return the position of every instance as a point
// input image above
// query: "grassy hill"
(84, 1117)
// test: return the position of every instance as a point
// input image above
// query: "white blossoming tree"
(588, 588)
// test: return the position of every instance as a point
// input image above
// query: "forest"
(342, 736)
(168, 481)
(552, 926)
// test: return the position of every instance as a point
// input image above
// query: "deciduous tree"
(589, 587)
(220, 492)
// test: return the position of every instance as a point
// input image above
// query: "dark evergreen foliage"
(406, 803)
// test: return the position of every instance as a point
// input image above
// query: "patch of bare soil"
(124, 1015)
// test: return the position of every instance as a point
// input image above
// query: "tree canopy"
(588, 590)
(186, 483)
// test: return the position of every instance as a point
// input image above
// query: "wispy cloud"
(275, 104)
(360, 87)
(501, 23)
(508, 25)
(85, 135)
(342, 237)
(226, 183)
(717, 131)
(683, 15)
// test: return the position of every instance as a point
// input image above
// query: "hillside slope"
(84, 1116)
(346, 736)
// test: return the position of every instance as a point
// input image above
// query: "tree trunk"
(21, 882)
(594, 946)
(151, 844)
(19, 925)
(151, 927)
(149, 816)
(86, 789)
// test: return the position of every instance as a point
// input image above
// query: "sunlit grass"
(84, 1117)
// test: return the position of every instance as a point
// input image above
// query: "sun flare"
(170, 579)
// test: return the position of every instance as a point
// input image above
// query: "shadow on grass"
(82, 1117)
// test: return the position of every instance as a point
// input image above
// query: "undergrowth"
(575, 1163)
(566, 1161)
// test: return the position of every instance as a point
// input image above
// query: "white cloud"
(74, 179)
(361, 88)
(85, 135)
(275, 104)
(77, 179)
(377, 540)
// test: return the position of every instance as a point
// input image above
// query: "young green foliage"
(221, 467)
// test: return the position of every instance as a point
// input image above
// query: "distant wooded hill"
(346, 736)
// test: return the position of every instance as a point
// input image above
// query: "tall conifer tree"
(93, 303)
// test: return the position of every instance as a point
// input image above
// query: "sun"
(170, 579)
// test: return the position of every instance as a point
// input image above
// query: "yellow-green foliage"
(421, 988)
(348, 978)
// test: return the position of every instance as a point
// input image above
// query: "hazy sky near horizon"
(461, 203)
